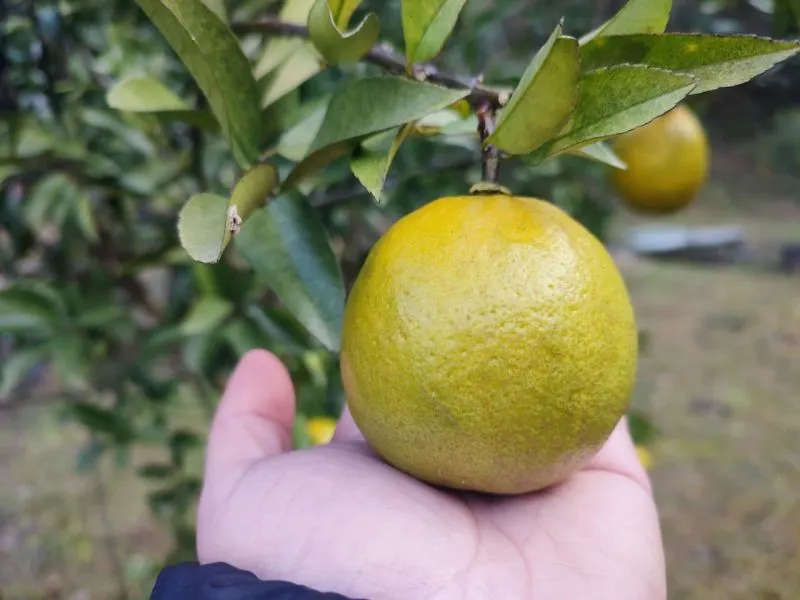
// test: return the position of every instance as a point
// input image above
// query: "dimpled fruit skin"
(489, 344)
(668, 162)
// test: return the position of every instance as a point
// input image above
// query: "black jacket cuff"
(220, 581)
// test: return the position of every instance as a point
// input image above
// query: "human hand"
(337, 518)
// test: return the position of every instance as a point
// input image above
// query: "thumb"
(253, 420)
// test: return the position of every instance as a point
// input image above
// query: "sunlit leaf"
(303, 63)
(336, 46)
(619, 99)
(542, 103)
(289, 249)
(278, 49)
(426, 26)
(637, 16)
(212, 54)
(715, 61)
(295, 142)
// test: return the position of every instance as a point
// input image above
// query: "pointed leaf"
(716, 61)
(213, 56)
(207, 222)
(426, 26)
(543, 101)
(601, 153)
(142, 94)
(619, 99)
(637, 16)
(336, 46)
(289, 249)
(371, 165)
(206, 314)
(342, 10)
(369, 105)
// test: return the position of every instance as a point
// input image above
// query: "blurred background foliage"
(105, 318)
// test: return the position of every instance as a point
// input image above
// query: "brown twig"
(491, 155)
(381, 55)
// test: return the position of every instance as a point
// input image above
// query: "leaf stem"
(384, 56)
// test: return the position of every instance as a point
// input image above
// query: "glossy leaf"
(542, 103)
(637, 16)
(371, 165)
(602, 153)
(619, 99)
(143, 94)
(369, 105)
(213, 56)
(426, 26)
(289, 249)
(335, 45)
(715, 61)
(206, 314)
(207, 222)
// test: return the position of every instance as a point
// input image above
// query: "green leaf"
(637, 16)
(303, 63)
(205, 227)
(102, 420)
(84, 215)
(206, 314)
(141, 94)
(342, 10)
(336, 46)
(207, 222)
(28, 309)
(289, 249)
(278, 49)
(16, 368)
(542, 103)
(642, 428)
(51, 201)
(296, 141)
(369, 105)
(619, 99)
(426, 26)
(371, 165)
(602, 153)
(156, 471)
(213, 56)
(279, 326)
(218, 8)
(715, 61)
(316, 161)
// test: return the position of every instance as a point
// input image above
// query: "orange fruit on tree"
(668, 162)
(488, 344)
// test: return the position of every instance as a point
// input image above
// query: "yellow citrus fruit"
(488, 344)
(320, 429)
(668, 162)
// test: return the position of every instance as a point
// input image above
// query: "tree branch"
(384, 56)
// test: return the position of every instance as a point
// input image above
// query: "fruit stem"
(491, 155)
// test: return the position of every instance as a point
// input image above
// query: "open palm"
(337, 518)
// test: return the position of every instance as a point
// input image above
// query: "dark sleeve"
(220, 581)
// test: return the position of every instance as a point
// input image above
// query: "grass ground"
(720, 378)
